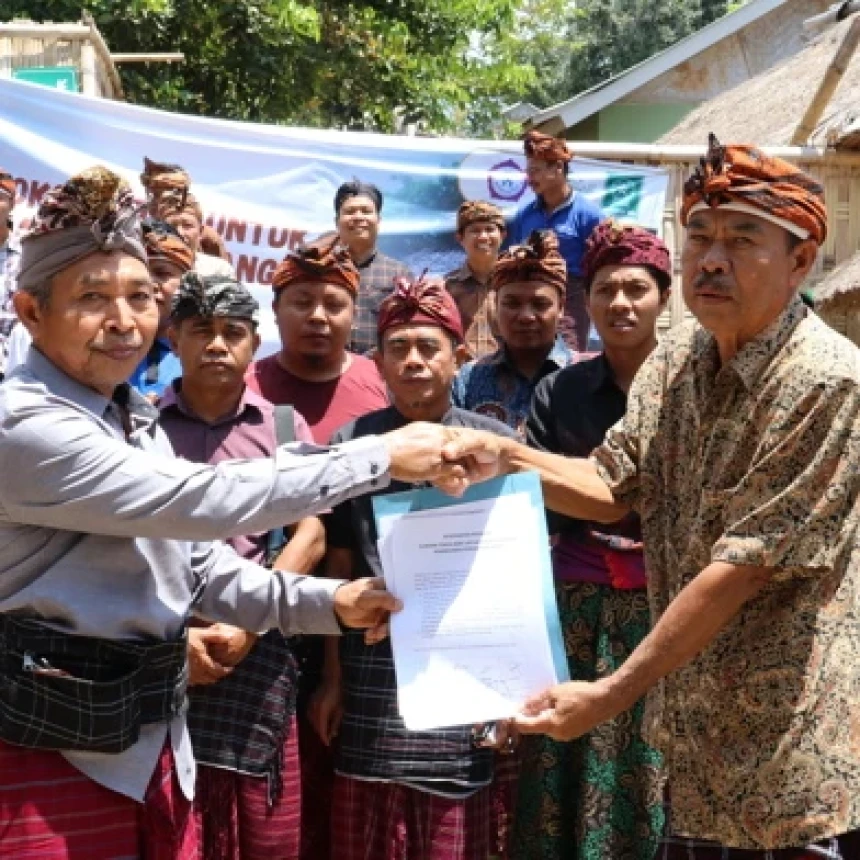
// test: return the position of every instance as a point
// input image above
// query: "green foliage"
(574, 46)
(370, 65)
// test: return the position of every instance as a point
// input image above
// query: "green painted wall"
(631, 123)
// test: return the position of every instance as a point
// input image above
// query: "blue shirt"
(493, 386)
(572, 222)
(157, 370)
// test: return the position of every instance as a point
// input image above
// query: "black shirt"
(571, 412)
(373, 742)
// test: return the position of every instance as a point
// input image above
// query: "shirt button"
(373, 482)
(373, 468)
(323, 490)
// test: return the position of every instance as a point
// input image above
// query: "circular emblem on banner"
(497, 177)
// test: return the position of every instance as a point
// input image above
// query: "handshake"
(451, 458)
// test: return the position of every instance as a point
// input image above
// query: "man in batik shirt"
(481, 231)
(529, 283)
(740, 452)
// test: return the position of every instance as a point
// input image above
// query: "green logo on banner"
(622, 195)
(56, 77)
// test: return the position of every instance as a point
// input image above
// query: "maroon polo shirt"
(327, 406)
(247, 433)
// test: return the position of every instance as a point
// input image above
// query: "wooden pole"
(147, 58)
(835, 71)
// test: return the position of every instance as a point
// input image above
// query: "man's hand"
(229, 645)
(566, 712)
(450, 457)
(365, 603)
(202, 668)
(325, 710)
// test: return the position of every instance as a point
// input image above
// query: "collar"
(568, 201)
(173, 401)
(59, 383)
(370, 259)
(560, 355)
(465, 274)
(755, 356)
(598, 373)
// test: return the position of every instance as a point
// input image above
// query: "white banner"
(267, 188)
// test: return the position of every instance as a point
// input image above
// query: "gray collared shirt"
(103, 535)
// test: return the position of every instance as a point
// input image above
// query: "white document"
(471, 643)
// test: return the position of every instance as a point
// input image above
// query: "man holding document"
(423, 793)
(740, 451)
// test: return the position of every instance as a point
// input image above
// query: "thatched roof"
(842, 282)
(766, 109)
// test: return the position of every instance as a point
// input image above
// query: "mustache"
(713, 282)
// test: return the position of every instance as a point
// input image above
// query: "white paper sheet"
(471, 643)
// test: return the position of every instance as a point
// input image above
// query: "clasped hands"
(451, 458)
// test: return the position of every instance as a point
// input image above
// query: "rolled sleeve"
(794, 509)
(241, 593)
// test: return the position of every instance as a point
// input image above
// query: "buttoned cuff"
(369, 461)
(312, 610)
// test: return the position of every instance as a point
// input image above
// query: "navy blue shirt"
(572, 222)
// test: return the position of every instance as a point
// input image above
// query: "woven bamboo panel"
(841, 186)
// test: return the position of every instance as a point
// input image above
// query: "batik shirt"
(755, 463)
(476, 303)
(10, 261)
(494, 387)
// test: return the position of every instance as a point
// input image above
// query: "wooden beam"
(148, 58)
(834, 74)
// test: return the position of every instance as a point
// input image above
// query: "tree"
(370, 64)
(574, 46)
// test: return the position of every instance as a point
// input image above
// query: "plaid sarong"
(846, 847)
(50, 811)
(373, 741)
(236, 821)
(388, 821)
(242, 722)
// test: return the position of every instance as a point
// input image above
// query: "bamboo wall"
(840, 174)
(24, 44)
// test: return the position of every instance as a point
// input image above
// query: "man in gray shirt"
(108, 542)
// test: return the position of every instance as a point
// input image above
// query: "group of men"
(192, 617)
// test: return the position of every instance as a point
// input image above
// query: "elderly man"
(558, 207)
(158, 179)
(739, 450)
(10, 255)
(357, 207)
(529, 283)
(481, 230)
(106, 547)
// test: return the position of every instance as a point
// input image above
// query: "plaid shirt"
(10, 261)
(377, 281)
(493, 386)
(373, 743)
(476, 303)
